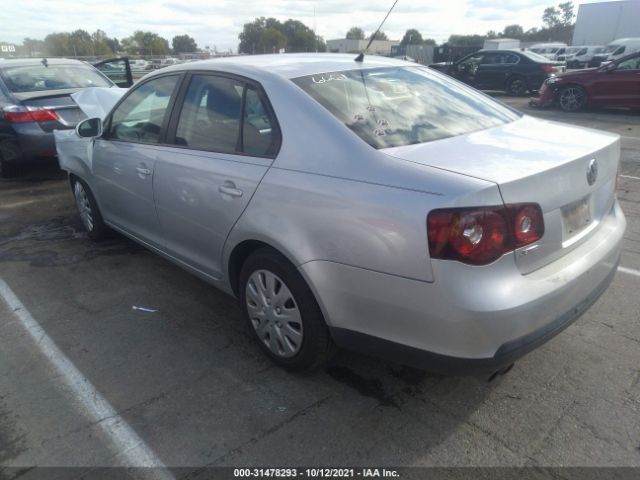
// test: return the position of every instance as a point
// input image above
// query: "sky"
(217, 23)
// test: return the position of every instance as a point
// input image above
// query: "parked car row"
(346, 201)
(581, 56)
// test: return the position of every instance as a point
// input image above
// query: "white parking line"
(629, 271)
(128, 446)
(629, 176)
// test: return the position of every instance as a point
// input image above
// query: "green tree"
(184, 44)
(430, 41)
(551, 17)
(513, 31)
(58, 45)
(355, 33)
(466, 40)
(268, 35)
(380, 36)
(412, 37)
(145, 43)
(567, 14)
(33, 47)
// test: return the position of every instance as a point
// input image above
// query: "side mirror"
(89, 128)
(610, 67)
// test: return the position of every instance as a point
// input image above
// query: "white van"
(621, 47)
(548, 50)
(580, 57)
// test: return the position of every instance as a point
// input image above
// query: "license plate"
(576, 216)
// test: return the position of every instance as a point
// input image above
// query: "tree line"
(81, 43)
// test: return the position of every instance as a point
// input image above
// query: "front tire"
(282, 312)
(572, 98)
(89, 212)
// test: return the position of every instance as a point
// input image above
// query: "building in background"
(344, 45)
(603, 22)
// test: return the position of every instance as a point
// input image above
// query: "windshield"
(611, 48)
(392, 107)
(34, 78)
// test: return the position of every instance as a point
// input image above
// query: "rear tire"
(572, 98)
(517, 86)
(89, 213)
(282, 312)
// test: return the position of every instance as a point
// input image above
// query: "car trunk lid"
(569, 171)
(59, 101)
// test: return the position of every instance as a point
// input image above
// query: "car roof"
(290, 65)
(24, 62)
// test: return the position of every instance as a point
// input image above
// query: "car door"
(118, 70)
(619, 87)
(124, 158)
(225, 137)
(465, 70)
(494, 69)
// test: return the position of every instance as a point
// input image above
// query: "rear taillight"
(481, 235)
(549, 69)
(17, 114)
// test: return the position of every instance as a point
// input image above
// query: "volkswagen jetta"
(374, 204)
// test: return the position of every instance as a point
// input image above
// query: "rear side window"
(391, 107)
(500, 58)
(140, 116)
(35, 78)
(226, 115)
(210, 116)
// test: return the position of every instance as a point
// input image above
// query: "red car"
(616, 84)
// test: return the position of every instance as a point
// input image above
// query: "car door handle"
(143, 171)
(230, 189)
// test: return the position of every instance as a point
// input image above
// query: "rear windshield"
(392, 107)
(530, 54)
(35, 78)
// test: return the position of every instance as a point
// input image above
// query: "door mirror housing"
(609, 67)
(89, 128)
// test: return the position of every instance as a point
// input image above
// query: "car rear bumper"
(32, 144)
(470, 319)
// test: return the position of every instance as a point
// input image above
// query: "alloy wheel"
(517, 87)
(84, 207)
(274, 313)
(571, 99)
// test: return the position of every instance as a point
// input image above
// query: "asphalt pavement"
(86, 380)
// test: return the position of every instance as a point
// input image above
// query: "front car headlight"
(551, 80)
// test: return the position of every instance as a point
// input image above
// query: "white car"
(580, 57)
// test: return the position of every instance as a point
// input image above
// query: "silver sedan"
(375, 204)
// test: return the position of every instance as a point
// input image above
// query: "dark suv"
(35, 100)
(513, 71)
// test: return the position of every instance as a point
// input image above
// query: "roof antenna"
(360, 57)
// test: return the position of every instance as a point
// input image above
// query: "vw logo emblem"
(592, 171)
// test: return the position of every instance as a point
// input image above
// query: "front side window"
(620, 51)
(629, 64)
(390, 107)
(212, 118)
(36, 78)
(140, 116)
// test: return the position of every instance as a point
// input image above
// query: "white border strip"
(128, 446)
(629, 271)
(629, 176)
